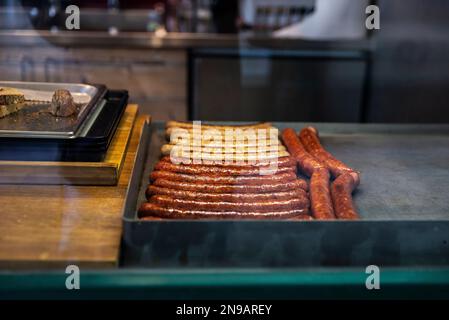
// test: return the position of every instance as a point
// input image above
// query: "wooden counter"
(52, 226)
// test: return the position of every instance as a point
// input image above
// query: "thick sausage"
(220, 170)
(208, 179)
(320, 198)
(223, 188)
(341, 191)
(151, 209)
(310, 140)
(223, 206)
(306, 162)
(285, 161)
(228, 197)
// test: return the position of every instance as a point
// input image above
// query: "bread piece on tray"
(10, 96)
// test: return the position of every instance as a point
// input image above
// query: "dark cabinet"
(277, 85)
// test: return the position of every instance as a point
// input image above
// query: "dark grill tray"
(402, 200)
(92, 147)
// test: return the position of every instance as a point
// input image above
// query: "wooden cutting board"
(56, 225)
(75, 173)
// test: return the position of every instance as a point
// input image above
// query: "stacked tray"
(31, 134)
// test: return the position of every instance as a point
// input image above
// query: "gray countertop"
(169, 41)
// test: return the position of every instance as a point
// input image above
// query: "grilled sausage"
(209, 179)
(320, 198)
(228, 197)
(285, 161)
(223, 206)
(166, 149)
(310, 140)
(306, 162)
(220, 170)
(154, 210)
(341, 191)
(222, 188)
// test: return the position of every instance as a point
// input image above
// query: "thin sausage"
(341, 191)
(223, 206)
(320, 198)
(220, 170)
(209, 179)
(306, 162)
(310, 140)
(228, 197)
(167, 149)
(222, 188)
(285, 161)
(151, 209)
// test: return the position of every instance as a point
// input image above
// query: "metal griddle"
(404, 168)
(35, 120)
(402, 201)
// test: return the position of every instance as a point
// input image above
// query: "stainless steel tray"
(34, 121)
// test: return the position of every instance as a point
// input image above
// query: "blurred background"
(278, 60)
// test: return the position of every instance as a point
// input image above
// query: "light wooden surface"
(53, 226)
(71, 173)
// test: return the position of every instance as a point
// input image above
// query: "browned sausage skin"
(223, 206)
(216, 170)
(222, 188)
(320, 197)
(215, 179)
(229, 197)
(153, 210)
(341, 191)
(319, 176)
(306, 162)
(280, 162)
(309, 138)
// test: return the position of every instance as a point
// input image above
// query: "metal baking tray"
(34, 121)
(402, 201)
(91, 146)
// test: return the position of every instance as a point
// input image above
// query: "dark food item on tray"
(62, 104)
